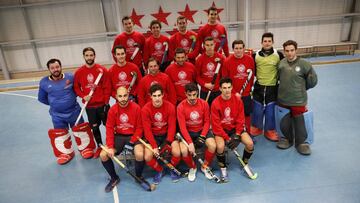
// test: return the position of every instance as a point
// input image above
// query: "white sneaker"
(224, 176)
(192, 174)
(207, 174)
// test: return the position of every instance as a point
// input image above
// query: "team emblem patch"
(227, 112)
(158, 46)
(122, 76)
(182, 75)
(240, 68)
(211, 67)
(214, 33)
(124, 118)
(194, 115)
(90, 78)
(184, 43)
(297, 69)
(158, 116)
(130, 42)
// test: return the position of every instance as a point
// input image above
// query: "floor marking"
(116, 195)
(20, 95)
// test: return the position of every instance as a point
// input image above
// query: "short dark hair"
(190, 87)
(225, 80)
(267, 34)
(155, 87)
(118, 47)
(212, 8)
(238, 42)
(152, 59)
(88, 49)
(154, 22)
(126, 18)
(51, 61)
(179, 50)
(290, 42)
(181, 18)
(208, 39)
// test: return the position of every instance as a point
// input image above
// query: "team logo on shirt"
(297, 69)
(130, 42)
(124, 118)
(184, 43)
(210, 67)
(158, 46)
(227, 112)
(122, 76)
(182, 75)
(240, 68)
(158, 116)
(214, 33)
(194, 115)
(90, 78)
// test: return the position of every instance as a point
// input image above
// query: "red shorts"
(295, 110)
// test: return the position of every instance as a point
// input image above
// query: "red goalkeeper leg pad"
(84, 139)
(61, 144)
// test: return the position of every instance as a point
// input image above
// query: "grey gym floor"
(29, 172)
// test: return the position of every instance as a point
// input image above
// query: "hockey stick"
(135, 51)
(222, 42)
(165, 52)
(214, 77)
(90, 94)
(249, 71)
(193, 43)
(157, 156)
(133, 80)
(207, 168)
(142, 182)
(246, 167)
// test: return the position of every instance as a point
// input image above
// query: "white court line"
(20, 95)
(116, 195)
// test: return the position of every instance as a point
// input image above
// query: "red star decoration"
(218, 10)
(188, 14)
(171, 32)
(136, 18)
(161, 16)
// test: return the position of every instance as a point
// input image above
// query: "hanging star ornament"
(161, 16)
(188, 14)
(136, 18)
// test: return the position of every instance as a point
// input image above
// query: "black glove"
(200, 142)
(234, 142)
(129, 147)
(165, 147)
(106, 108)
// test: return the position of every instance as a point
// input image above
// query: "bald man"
(123, 130)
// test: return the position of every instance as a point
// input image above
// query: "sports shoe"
(65, 158)
(223, 175)
(112, 183)
(283, 144)
(254, 131)
(304, 149)
(97, 153)
(87, 153)
(174, 177)
(192, 174)
(157, 177)
(207, 174)
(271, 135)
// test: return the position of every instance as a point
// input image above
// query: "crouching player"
(228, 123)
(194, 120)
(123, 129)
(57, 91)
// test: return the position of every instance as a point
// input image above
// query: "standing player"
(181, 73)
(206, 65)
(215, 30)
(57, 91)
(122, 73)
(193, 115)
(123, 127)
(238, 67)
(155, 76)
(265, 89)
(98, 103)
(296, 76)
(159, 121)
(156, 45)
(131, 40)
(228, 124)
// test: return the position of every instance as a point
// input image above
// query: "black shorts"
(247, 101)
(231, 133)
(160, 139)
(120, 141)
(96, 115)
(270, 93)
(195, 135)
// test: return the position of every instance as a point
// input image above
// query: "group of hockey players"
(160, 110)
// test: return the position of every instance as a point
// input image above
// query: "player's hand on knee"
(111, 152)
(156, 151)
(234, 142)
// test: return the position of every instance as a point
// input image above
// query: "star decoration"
(188, 14)
(136, 18)
(161, 16)
(218, 10)
(171, 32)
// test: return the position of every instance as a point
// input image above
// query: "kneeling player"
(194, 120)
(123, 129)
(228, 123)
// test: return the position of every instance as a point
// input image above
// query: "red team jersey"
(159, 121)
(236, 69)
(160, 78)
(154, 47)
(84, 79)
(205, 70)
(184, 41)
(214, 31)
(180, 76)
(193, 118)
(227, 114)
(121, 76)
(125, 121)
(128, 41)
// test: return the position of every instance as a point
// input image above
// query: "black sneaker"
(112, 183)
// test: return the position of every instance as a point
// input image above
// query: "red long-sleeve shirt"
(154, 47)
(84, 79)
(214, 31)
(123, 120)
(193, 118)
(179, 40)
(159, 121)
(236, 69)
(205, 70)
(227, 114)
(160, 78)
(128, 41)
(180, 76)
(121, 76)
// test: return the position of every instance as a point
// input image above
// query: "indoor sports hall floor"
(29, 172)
